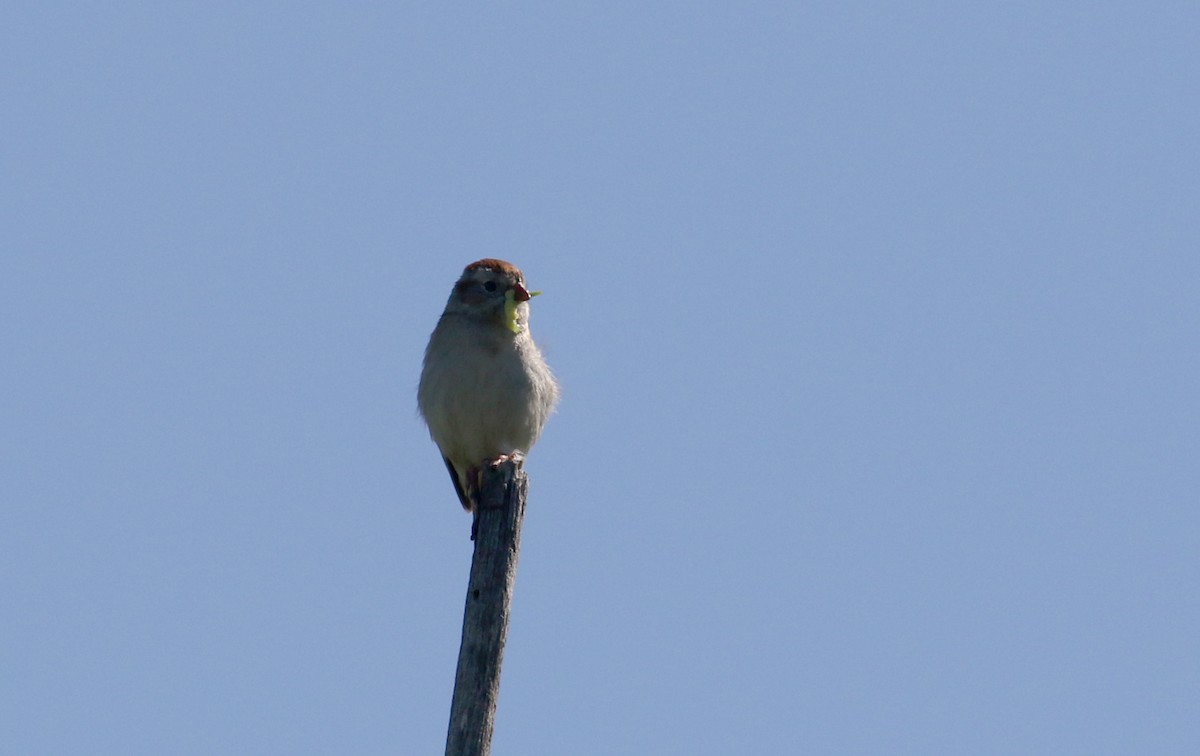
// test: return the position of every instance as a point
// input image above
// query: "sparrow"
(485, 390)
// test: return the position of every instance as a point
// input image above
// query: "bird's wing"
(458, 489)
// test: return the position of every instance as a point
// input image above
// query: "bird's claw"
(474, 487)
(516, 456)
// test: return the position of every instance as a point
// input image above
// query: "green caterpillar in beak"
(510, 309)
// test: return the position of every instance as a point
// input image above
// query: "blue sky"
(876, 324)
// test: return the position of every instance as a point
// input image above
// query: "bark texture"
(497, 532)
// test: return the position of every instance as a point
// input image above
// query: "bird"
(485, 390)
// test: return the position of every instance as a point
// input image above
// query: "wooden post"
(500, 512)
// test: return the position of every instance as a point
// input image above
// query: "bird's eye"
(489, 285)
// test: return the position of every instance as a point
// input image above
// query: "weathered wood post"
(500, 512)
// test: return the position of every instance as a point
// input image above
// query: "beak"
(520, 294)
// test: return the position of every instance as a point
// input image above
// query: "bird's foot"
(516, 456)
(474, 480)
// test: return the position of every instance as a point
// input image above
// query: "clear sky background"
(876, 323)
